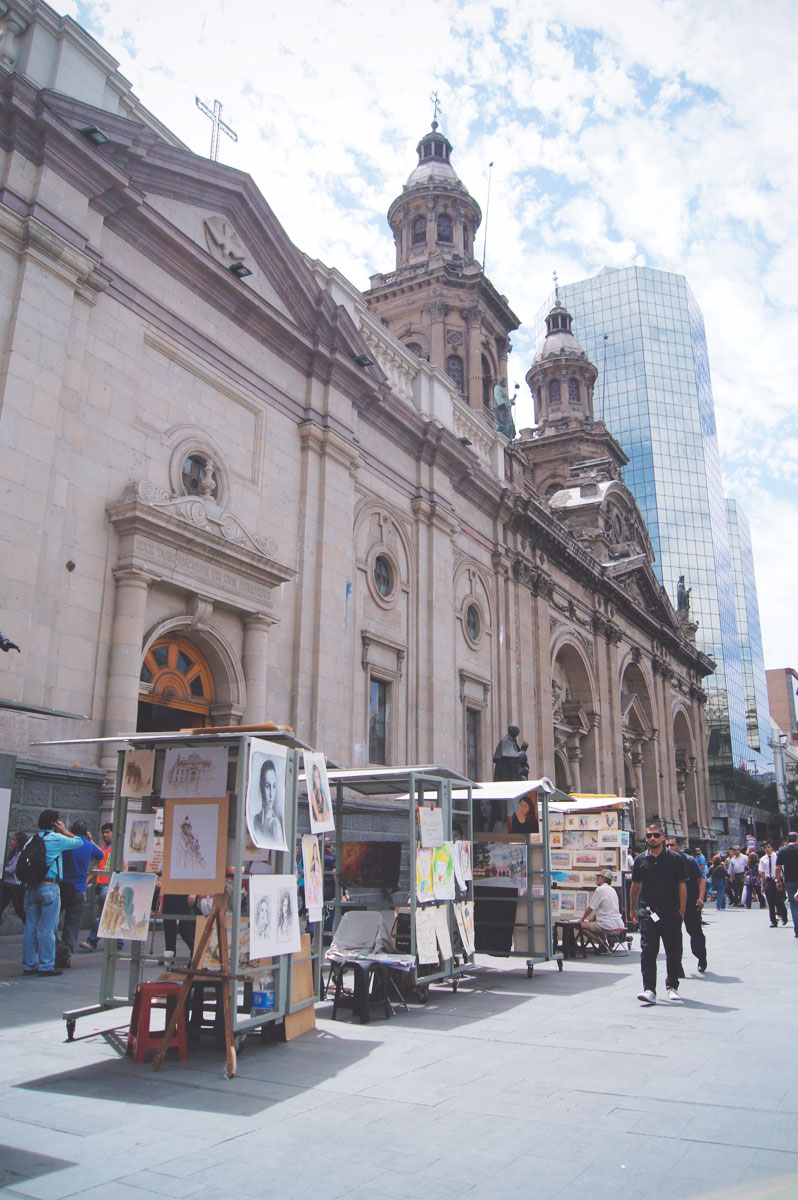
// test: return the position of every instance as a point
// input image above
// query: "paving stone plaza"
(558, 1085)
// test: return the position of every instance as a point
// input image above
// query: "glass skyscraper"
(644, 331)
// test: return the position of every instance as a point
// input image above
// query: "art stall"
(511, 870)
(586, 834)
(427, 929)
(206, 821)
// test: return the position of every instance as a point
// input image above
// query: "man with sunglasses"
(658, 900)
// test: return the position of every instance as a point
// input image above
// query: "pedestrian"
(12, 891)
(774, 896)
(701, 860)
(737, 868)
(753, 884)
(719, 874)
(43, 900)
(103, 879)
(787, 875)
(659, 896)
(694, 907)
(73, 889)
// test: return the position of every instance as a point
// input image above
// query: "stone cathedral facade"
(236, 488)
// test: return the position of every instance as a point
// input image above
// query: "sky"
(653, 132)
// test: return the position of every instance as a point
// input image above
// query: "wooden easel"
(215, 917)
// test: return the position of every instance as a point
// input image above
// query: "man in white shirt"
(737, 864)
(773, 894)
(602, 913)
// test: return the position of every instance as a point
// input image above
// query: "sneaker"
(702, 967)
(35, 971)
(673, 993)
(774, 924)
(87, 946)
(647, 997)
(47, 974)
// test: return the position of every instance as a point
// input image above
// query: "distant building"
(644, 331)
(782, 685)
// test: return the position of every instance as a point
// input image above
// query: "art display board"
(592, 839)
(195, 846)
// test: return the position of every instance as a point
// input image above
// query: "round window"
(195, 470)
(473, 622)
(383, 575)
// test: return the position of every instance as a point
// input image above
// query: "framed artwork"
(624, 838)
(556, 839)
(313, 872)
(568, 905)
(273, 916)
(583, 820)
(561, 860)
(371, 863)
(266, 795)
(195, 846)
(584, 858)
(139, 837)
(199, 772)
(488, 815)
(608, 858)
(137, 773)
(609, 837)
(581, 838)
(555, 904)
(128, 905)
(522, 814)
(589, 879)
(501, 864)
(556, 820)
(609, 820)
(582, 900)
(571, 879)
(319, 797)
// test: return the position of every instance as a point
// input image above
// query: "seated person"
(602, 915)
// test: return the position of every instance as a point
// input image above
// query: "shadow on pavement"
(20, 1166)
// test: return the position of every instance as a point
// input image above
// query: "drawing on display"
(139, 837)
(137, 773)
(312, 872)
(195, 845)
(266, 795)
(274, 928)
(319, 799)
(126, 912)
(194, 773)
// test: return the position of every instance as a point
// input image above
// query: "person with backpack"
(39, 868)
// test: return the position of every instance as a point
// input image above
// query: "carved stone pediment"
(223, 242)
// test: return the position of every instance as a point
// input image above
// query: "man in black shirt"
(696, 889)
(787, 875)
(658, 899)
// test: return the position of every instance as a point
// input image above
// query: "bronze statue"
(510, 762)
(502, 409)
(683, 597)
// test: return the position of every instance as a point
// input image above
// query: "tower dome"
(561, 377)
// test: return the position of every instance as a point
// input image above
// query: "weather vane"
(219, 126)
(436, 108)
(556, 287)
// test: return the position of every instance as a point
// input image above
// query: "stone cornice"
(325, 441)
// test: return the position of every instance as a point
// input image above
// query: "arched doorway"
(176, 688)
(639, 745)
(575, 719)
(685, 775)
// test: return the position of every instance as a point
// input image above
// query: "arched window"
(419, 230)
(554, 391)
(454, 369)
(466, 243)
(573, 391)
(176, 686)
(487, 384)
(414, 348)
(445, 228)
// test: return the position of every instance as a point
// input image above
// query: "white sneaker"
(673, 994)
(647, 997)
(168, 957)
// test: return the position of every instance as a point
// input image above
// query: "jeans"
(42, 908)
(775, 899)
(720, 893)
(102, 892)
(789, 890)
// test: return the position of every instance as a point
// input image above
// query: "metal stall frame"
(411, 785)
(283, 863)
(538, 866)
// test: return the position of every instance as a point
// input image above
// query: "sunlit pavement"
(558, 1085)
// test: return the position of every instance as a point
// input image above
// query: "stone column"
(124, 667)
(254, 661)
(473, 363)
(437, 313)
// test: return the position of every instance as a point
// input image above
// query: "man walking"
(787, 875)
(737, 865)
(696, 890)
(659, 896)
(775, 898)
(43, 900)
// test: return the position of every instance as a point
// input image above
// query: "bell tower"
(438, 301)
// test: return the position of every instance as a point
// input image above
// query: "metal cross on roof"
(436, 108)
(219, 126)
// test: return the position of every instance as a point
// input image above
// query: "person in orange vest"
(102, 880)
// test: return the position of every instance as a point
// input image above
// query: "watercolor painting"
(128, 905)
(139, 837)
(501, 864)
(443, 872)
(609, 820)
(584, 858)
(137, 773)
(561, 860)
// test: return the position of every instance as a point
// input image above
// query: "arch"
(454, 369)
(445, 232)
(554, 391)
(419, 231)
(639, 739)
(685, 761)
(487, 384)
(224, 663)
(573, 391)
(562, 775)
(575, 714)
(364, 512)
(475, 568)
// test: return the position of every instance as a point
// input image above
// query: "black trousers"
(668, 930)
(179, 906)
(736, 884)
(693, 926)
(775, 898)
(13, 893)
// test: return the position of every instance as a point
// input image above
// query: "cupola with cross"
(438, 300)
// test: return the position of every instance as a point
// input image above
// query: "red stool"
(140, 1037)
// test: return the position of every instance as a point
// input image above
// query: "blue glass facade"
(747, 610)
(645, 333)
